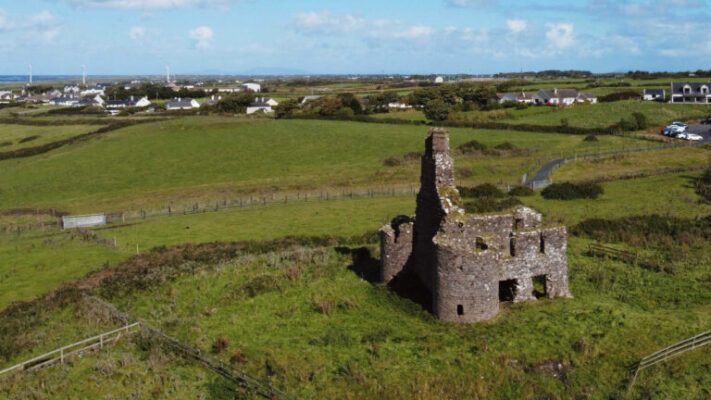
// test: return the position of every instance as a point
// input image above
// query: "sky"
(132, 37)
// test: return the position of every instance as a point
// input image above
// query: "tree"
(286, 108)
(236, 103)
(350, 101)
(436, 110)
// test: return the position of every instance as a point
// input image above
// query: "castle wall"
(395, 248)
(468, 264)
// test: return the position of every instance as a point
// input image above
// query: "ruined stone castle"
(467, 264)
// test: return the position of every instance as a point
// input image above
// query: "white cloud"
(516, 25)
(202, 36)
(137, 32)
(326, 22)
(146, 4)
(413, 32)
(560, 36)
(471, 3)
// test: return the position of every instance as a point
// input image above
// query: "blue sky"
(364, 36)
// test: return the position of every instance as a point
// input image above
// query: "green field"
(306, 318)
(178, 161)
(13, 137)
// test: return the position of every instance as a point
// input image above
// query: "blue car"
(666, 131)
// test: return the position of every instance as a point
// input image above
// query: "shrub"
(641, 120)
(590, 138)
(571, 191)
(521, 191)
(617, 96)
(627, 124)
(505, 146)
(490, 204)
(483, 190)
(564, 122)
(471, 147)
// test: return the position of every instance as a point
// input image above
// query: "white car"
(693, 136)
(681, 135)
(681, 124)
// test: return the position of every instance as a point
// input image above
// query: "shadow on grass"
(364, 264)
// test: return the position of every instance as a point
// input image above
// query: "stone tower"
(469, 263)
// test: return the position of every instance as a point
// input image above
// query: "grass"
(163, 162)
(12, 136)
(602, 115)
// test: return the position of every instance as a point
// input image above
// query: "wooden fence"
(596, 249)
(74, 349)
(670, 352)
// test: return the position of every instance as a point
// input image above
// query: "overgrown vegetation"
(572, 191)
(703, 185)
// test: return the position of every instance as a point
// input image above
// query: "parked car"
(706, 121)
(681, 124)
(676, 128)
(681, 135)
(694, 137)
(666, 131)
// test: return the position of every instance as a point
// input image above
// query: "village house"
(94, 100)
(562, 97)
(71, 89)
(690, 93)
(6, 96)
(254, 87)
(93, 91)
(183, 103)
(264, 104)
(519, 97)
(653, 95)
(132, 101)
(65, 101)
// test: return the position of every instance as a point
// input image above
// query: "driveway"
(703, 130)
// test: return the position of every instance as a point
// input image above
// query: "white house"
(93, 91)
(181, 104)
(691, 92)
(653, 95)
(71, 89)
(399, 106)
(519, 97)
(562, 97)
(65, 101)
(262, 103)
(6, 96)
(133, 101)
(255, 87)
(93, 100)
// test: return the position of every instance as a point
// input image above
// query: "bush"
(641, 120)
(644, 230)
(571, 191)
(436, 110)
(590, 138)
(471, 147)
(490, 204)
(483, 190)
(564, 122)
(521, 191)
(627, 124)
(618, 96)
(505, 146)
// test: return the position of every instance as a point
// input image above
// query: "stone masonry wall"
(464, 260)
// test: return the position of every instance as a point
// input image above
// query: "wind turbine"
(167, 73)
(83, 75)
(30, 74)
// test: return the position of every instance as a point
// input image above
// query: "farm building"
(264, 104)
(254, 87)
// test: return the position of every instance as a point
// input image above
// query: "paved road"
(542, 174)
